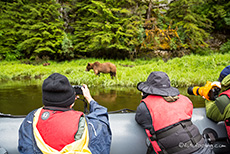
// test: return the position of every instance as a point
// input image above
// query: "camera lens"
(190, 91)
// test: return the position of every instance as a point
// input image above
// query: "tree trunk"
(149, 9)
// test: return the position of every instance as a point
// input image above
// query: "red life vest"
(165, 113)
(227, 121)
(58, 128)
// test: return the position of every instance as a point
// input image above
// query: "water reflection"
(19, 98)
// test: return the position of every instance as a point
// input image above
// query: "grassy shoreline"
(183, 72)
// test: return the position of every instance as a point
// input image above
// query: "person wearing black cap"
(219, 110)
(57, 128)
(166, 115)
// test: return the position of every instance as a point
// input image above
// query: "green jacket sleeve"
(218, 110)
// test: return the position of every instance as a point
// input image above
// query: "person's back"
(219, 109)
(57, 128)
(166, 117)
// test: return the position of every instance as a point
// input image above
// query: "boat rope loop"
(11, 116)
(122, 111)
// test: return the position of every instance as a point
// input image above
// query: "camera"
(77, 89)
(210, 91)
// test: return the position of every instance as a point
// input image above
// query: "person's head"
(57, 91)
(158, 83)
(224, 73)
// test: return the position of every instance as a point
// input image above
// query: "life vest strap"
(171, 130)
(189, 143)
(189, 133)
(227, 126)
(150, 150)
(181, 125)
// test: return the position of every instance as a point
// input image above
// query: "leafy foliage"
(67, 29)
(225, 48)
(107, 26)
(191, 24)
(219, 12)
(32, 29)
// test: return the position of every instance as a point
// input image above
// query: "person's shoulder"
(223, 98)
(183, 96)
(31, 113)
(142, 106)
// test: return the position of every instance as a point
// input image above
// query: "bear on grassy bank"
(102, 68)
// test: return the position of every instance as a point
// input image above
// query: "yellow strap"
(78, 147)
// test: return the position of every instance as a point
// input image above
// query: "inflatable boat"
(127, 136)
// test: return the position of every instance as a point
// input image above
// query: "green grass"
(186, 71)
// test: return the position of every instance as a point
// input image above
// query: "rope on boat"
(122, 111)
(11, 116)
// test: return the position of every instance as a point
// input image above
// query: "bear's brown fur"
(46, 64)
(102, 68)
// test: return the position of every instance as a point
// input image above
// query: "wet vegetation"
(185, 71)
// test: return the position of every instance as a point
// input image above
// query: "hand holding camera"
(83, 90)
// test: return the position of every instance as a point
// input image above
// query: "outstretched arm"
(219, 109)
(98, 124)
(96, 111)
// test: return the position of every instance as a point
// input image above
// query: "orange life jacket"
(164, 114)
(58, 128)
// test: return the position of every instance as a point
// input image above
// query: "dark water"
(19, 98)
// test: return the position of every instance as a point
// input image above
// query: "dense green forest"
(116, 29)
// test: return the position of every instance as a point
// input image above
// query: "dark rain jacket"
(99, 132)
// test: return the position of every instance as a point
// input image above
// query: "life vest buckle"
(152, 132)
(193, 141)
(227, 122)
(183, 125)
(153, 137)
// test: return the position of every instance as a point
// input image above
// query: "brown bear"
(102, 68)
(46, 64)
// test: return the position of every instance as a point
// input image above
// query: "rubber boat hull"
(127, 136)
